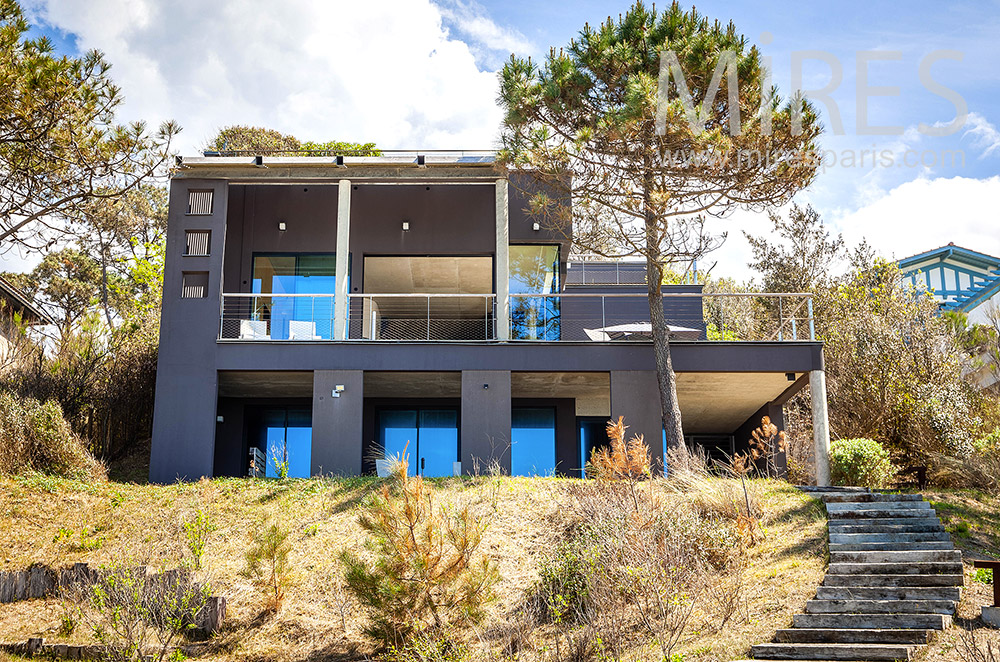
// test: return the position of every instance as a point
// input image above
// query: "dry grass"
(527, 517)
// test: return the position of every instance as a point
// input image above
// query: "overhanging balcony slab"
(793, 357)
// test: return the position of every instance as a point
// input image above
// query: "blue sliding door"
(430, 437)
(533, 441)
(285, 437)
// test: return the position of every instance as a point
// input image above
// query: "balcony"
(562, 317)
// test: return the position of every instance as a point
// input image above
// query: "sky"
(412, 74)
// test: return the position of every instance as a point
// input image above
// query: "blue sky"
(421, 73)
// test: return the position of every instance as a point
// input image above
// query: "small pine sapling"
(267, 563)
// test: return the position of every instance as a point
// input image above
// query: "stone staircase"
(894, 577)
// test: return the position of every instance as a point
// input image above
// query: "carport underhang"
(711, 402)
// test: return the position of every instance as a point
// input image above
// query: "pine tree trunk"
(661, 351)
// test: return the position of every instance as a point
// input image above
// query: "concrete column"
(341, 304)
(337, 422)
(503, 263)
(485, 419)
(636, 396)
(821, 426)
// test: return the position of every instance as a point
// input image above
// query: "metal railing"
(575, 317)
(421, 317)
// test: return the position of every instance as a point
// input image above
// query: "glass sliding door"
(301, 317)
(534, 270)
(430, 437)
(284, 435)
(533, 441)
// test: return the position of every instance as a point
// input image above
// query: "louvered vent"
(194, 285)
(199, 203)
(197, 242)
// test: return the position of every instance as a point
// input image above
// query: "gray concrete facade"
(337, 422)
(184, 414)
(485, 427)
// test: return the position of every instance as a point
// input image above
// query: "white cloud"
(927, 213)
(984, 135)
(390, 72)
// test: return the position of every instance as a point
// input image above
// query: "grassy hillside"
(58, 522)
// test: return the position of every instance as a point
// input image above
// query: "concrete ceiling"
(413, 385)
(431, 275)
(592, 390)
(265, 384)
(720, 402)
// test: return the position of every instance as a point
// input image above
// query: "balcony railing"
(533, 317)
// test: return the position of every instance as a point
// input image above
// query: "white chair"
(301, 330)
(254, 330)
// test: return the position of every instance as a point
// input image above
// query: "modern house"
(962, 280)
(322, 313)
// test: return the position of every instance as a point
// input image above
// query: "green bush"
(861, 463)
(34, 436)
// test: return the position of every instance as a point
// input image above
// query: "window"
(285, 437)
(533, 441)
(197, 242)
(200, 203)
(534, 270)
(429, 437)
(305, 317)
(194, 285)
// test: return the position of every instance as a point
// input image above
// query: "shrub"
(860, 462)
(267, 564)
(132, 613)
(426, 575)
(196, 536)
(34, 436)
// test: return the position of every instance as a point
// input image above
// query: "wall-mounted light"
(790, 376)
(536, 227)
(406, 226)
(281, 226)
(486, 386)
(337, 390)
(220, 419)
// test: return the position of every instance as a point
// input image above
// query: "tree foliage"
(584, 125)
(426, 574)
(60, 146)
(260, 140)
(803, 260)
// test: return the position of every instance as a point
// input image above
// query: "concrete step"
(878, 513)
(863, 526)
(832, 489)
(870, 568)
(953, 593)
(869, 498)
(906, 556)
(880, 607)
(891, 546)
(835, 507)
(893, 581)
(820, 636)
(872, 621)
(861, 538)
(832, 651)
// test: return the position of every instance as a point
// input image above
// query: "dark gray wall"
(186, 380)
(485, 421)
(337, 422)
(308, 211)
(634, 396)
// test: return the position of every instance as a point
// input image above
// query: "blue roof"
(959, 254)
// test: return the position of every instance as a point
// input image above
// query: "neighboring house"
(14, 302)
(324, 313)
(962, 280)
